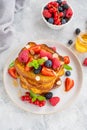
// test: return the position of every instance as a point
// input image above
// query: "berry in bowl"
(57, 14)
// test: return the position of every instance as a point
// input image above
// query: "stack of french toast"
(39, 67)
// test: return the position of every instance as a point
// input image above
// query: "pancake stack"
(30, 59)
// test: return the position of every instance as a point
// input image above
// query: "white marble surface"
(29, 26)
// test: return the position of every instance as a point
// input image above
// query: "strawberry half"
(36, 48)
(66, 59)
(47, 72)
(54, 101)
(69, 83)
(12, 72)
(85, 62)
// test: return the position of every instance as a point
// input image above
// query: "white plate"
(66, 98)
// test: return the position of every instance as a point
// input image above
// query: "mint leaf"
(30, 64)
(41, 98)
(11, 64)
(33, 95)
(41, 61)
(34, 64)
(33, 99)
(67, 67)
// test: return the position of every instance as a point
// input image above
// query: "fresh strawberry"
(55, 63)
(46, 13)
(66, 59)
(23, 56)
(47, 72)
(54, 100)
(69, 83)
(12, 72)
(36, 48)
(85, 62)
(44, 53)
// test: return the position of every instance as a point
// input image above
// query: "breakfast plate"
(14, 89)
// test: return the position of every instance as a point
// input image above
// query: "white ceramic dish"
(66, 98)
(56, 27)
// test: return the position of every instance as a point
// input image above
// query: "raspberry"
(49, 55)
(23, 56)
(54, 100)
(53, 48)
(52, 10)
(46, 13)
(49, 5)
(69, 13)
(55, 4)
(44, 53)
(57, 22)
(85, 62)
(56, 63)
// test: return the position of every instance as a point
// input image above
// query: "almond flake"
(55, 55)
(59, 82)
(27, 46)
(37, 78)
(45, 58)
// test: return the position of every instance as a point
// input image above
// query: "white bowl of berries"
(57, 14)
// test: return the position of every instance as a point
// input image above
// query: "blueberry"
(48, 63)
(59, 1)
(77, 31)
(63, 21)
(60, 8)
(51, 20)
(48, 95)
(70, 42)
(37, 71)
(67, 73)
(65, 6)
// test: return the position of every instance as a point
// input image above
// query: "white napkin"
(7, 9)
